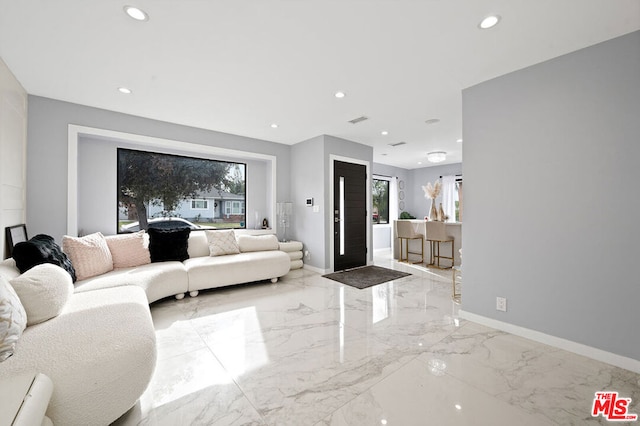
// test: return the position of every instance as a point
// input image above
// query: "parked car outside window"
(164, 223)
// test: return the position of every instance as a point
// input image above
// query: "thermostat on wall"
(309, 202)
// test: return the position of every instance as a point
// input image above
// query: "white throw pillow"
(222, 243)
(249, 243)
(89, 255)
(43, 291)
(13, 319)
(128, 250)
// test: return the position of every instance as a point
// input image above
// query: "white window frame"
(73, 139)
(388, 180)
(206, 204)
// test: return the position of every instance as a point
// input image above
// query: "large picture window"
(172, 191)
(380, 195)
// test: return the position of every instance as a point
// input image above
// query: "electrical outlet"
(307, 255)
(501, 304)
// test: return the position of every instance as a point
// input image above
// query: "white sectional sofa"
(100, 351)
(259, 259)
(200, 271)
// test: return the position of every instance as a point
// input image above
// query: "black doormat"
(366, 276)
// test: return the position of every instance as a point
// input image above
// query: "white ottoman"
(294, 250)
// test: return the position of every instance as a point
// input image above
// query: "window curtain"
(449, 197)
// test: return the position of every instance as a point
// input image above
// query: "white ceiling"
(239, 66)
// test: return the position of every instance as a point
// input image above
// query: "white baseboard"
(558, 342)
(379, 250)
(314, 269)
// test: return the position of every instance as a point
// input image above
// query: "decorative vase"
(433, 213)
(441, 215)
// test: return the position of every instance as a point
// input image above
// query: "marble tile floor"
(311, 351)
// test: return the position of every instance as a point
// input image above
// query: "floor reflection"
(311, 351)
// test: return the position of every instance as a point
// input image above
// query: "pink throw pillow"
(128, 250)
(90, 255)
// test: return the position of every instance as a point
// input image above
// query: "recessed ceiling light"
(340, 95)
(136, 13)
(459, 141)
(432, 121)
(274, 126)
(489, 22)
(420, 162)
(384, 133)
(124, 90)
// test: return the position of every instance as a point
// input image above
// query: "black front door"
(350, 215)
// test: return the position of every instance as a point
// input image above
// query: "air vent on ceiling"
(397, 143)
(358, 120)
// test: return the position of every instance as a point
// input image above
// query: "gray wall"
(420, 177)
(47, 154)
(398, 174)
(551, 158)
(307, 181)
(310, 177)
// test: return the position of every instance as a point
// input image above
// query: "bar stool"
(436, 234)
(406, 232)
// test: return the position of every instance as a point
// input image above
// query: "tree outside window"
(380, 195)
(154, 185)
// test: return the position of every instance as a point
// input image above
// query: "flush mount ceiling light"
(124, 90)
(436, 156)
(274, 126)
(384, 133)
(340, 95)
(489, 22)
(459, 140)
(136, 13)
